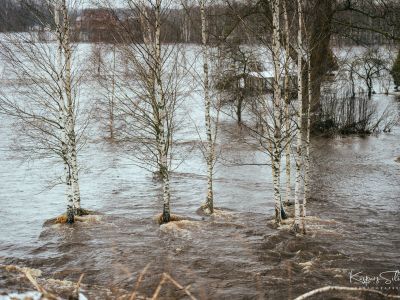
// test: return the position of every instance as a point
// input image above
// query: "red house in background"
(97, 25)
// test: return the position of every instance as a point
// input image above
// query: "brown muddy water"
(236, 254)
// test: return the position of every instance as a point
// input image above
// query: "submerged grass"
(84, 215)
(173, 218)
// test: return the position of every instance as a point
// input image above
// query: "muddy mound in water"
(173, 218)
(87, 216)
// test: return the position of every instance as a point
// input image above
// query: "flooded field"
(236, 254)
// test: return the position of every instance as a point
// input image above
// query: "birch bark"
(299, 154)
(62, 114)
(163, 129)
(209, 205)
(307, 152)
(276, 152)
(70, 118)
(287, 102)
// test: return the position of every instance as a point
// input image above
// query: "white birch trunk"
(163, 130)
(276, 151)
(307, 152)
(62, 115)
(299, 132)
(209, 205)
(287, 99)
(153, 56)
(70, 111)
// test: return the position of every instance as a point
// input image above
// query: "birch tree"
(208, 207)
(42, 99)
(271, 130)
(161, 116)
(299, 133)
(307, 146)
(287, 103)
(305, 90)
(147, 99)
(277, 105)
(70, 106)
(107, 106)
(307, 133)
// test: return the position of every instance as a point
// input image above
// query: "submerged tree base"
(82, 215)
(287, 220)
(84, 212)
(172, 218)
(295, 228)
(206, 210)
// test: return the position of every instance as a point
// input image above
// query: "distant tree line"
(366, 22)
(24, 15)
(350, 22)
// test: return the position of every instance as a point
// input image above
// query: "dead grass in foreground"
(33, 274)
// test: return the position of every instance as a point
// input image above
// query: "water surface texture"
(236, 254)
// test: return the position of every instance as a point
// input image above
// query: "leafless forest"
(199, 149)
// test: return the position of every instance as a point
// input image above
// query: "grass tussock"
(23, 270)
(173, 218)
(84, 219)
(84, 212)
(84, 216)
(61, 219)
(217, 212)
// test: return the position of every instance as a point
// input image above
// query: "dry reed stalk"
(39, 288)
(166, 277)
(139, 281)
(78, 285)
(345, 289)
